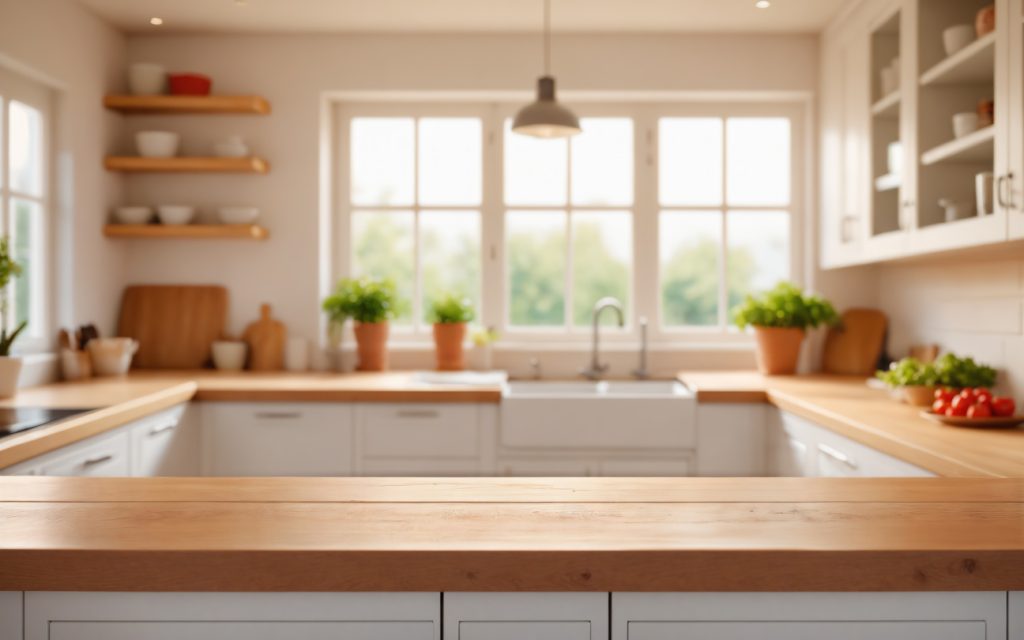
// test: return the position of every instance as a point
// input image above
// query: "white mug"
(965, 123)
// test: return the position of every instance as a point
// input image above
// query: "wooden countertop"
(849, 407)
(583, 534)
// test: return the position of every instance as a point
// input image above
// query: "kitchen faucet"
(595, 370)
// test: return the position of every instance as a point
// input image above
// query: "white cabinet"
(166, 444)
(232, 616)
(799, 447)
(277, 439)
(809, 616)
(521, 616)
(102, 456)
(10, 615)
(732, 439)
(1016, 615)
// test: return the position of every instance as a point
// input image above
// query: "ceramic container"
(986, 112)
(229, 355)
(111, 356)
(894, 157)
(985, 20)
(955, 209)
(984, 193)
(778, 349)
(233, 147)
(75, 364)
(296, 354)
(189, 84)
(175, 213)
(918, 395)
(145, 78)
(238, 214)
(965, 123)
(157, 144)
(133, 215)
(10, 370)
(957, 37)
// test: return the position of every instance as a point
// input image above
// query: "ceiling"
(488, 16)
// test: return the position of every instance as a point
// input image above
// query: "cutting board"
(266, 339)
(174, 324)
(853, 346)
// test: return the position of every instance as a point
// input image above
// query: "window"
(24, 202)
(679, 211)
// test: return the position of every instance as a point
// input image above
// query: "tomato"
(940, 406)
(979, 411)
(1003, 406)
(959, 406)
(967, 393)
(983, 396)
(944, 393)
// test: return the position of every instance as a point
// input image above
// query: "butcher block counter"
(500, 534)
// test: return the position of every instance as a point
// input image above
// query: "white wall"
(78, 56)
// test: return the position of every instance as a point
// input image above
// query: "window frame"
(645, 284)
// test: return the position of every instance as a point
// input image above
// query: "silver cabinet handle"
(278, 415)
(1004, 196)
(417, 413)
(838, 456)
(92, 462)
(164, 428)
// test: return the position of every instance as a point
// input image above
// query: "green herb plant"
(785, 306)
(949, 370)
(365, 300)
(451, 309)
(8, 269)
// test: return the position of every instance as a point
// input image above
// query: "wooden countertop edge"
(222, 394)
(37, 442)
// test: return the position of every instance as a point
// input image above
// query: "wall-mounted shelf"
(974, 147)
(974, 64)
(187, 104)
(887, 107)
(237, 231)
(137, 164)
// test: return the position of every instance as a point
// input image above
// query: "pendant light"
(545, 118)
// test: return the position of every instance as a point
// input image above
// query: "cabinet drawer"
(522, 616)
(108, 456)
(552, 468)
(575, 630)
(431, 467)
(312, 630)
(417, 430)
(639, 468)
(841, 630)
(278, 439)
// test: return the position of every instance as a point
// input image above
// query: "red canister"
(189, 84)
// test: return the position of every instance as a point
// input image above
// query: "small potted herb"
(780, 319)
(450, 314)
(10, 366)
(916, 381)
(371, 304)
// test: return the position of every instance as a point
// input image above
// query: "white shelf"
(974, 64)
(887, 107)
(975, 147)
(888, 182)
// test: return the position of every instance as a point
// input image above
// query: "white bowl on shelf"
(175, 213)
(964, 124)
(957, 37)
(232, 147)
(157, 144)
(146, 79)
(238, 214)
(133, 215)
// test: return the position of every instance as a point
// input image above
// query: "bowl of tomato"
(973, 407)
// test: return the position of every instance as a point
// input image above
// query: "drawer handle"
(278, 415)
(92, 462)
(418, 413)
(164, 428)
(838, 456)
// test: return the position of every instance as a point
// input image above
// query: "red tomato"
(967, 393)
(940, 406)
(959, 406)
(944, 393)
(983, 396)
(979, 411)
(1003, 406)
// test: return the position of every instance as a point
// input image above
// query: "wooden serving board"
(853, 347)
(266, 339)
(174, 324)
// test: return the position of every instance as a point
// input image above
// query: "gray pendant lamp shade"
(545, 117)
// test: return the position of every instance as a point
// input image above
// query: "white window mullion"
(492, 223)
(646, 279)
(569, 297)
(417, 292)
(723, 261)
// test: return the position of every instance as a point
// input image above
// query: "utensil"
(238, 214)
(975, 423)
(75, 364)
(87, 333)
(957, 37)
(112, 356)
(174, 324)
(233, 147)
(229, 355)
(157, 144)
(853, 346)
(984, 193)
(175, 213)
(189, 84)
(133, 215)
(145, 78)
(956, 210)
(266, 339)
(965, 123)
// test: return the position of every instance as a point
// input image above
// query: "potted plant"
(780, 319)
(370, 303)
(915, 382)
(450, 314)
(10, 366)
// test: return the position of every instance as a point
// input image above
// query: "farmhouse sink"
(600, 415)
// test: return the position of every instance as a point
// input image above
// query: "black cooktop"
(17, 419)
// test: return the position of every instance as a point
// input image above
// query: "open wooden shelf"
(974, 64)
(237, 231)
(187, 104)
(887, 107)
(249, 164)
(974, 147)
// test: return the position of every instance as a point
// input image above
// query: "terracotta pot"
(985, 21)
(10, 369)
(918, 395)
(372, 346)
(778, 349)
(448, 339)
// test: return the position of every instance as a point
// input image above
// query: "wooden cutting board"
(266, 339)
(174, 324)
(853, 347)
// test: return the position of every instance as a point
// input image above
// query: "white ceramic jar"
(145, 78)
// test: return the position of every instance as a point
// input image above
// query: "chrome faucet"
(641, 370)
(595, 370)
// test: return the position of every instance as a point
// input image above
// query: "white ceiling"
(439, 16)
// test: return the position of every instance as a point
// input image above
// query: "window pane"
(690, 254)
(535, 245)
(690, 161)
(26, 248)
(450, 256)
(450, 152)
(536, 171)
(382, 161)
(602, 162)
(602, 249)
(25, 134)
(758, 252)
(382, 247)
(758, 159)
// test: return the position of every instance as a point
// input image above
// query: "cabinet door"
(839, 226)
(419, 430)
(10, 615)
(102, 456)
(166, 444)
(809, 616)
(295, 630)
(1015, 97)
(1016, 615)
(517, 616)
(640, 467)
(547, 467)
(277, 439)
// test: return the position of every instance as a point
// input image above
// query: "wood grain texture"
(436, 543)
(853, 347)
(193, 231)
(137, 164)
(265, 338)
(132, 104)
(175, 325)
